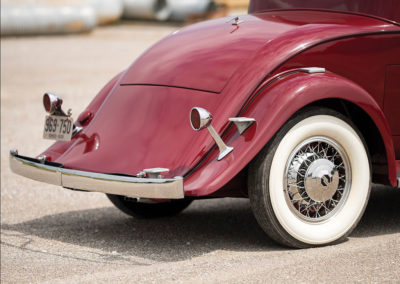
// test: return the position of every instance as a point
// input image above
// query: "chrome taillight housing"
(52, 103)
(200, 118)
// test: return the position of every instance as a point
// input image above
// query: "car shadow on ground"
(382, 215)
(206, 226)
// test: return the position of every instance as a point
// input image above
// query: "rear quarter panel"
(355, 72)
(271, 108)
(392, 99)
(370, 61)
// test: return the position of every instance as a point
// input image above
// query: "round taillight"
(200, 118)
(46, 102)
(195, 119)
(51, 102)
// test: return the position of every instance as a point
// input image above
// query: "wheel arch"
(296, 90)
(274, 103)
(368, 129)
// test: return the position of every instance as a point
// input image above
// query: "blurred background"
(38, 17)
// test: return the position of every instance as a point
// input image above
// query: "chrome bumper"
(90, 181)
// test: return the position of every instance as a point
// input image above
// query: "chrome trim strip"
(90, 181)
(312, 70)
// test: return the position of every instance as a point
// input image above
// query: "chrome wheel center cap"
(321, 180)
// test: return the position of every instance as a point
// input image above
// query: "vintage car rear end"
(300, 110)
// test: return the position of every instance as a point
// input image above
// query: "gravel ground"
(49, 234)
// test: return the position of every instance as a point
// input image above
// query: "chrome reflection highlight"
(76, 130)
(312, 70)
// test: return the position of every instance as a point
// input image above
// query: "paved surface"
(53, 235)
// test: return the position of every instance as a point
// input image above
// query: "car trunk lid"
(203, 56)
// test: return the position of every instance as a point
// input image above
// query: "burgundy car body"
(141, 117)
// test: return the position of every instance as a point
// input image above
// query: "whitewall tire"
(310, 185)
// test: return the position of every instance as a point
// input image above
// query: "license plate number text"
(58, 128)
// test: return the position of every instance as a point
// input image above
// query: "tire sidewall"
(338, 225)
(266, 180)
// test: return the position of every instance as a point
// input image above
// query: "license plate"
(58, 128)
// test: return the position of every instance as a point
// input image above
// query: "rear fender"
(59, 147)
(278, 99)
(95, 104)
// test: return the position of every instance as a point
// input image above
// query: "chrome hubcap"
(317, 179)
(321, 180)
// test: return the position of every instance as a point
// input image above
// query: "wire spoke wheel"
(317, 179)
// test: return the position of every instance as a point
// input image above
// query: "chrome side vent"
(242, 123)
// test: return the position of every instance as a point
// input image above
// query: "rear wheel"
(132, 207)
(311, 184)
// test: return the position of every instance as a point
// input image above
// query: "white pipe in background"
(181, 9)
(33, 19)
(146, 9)
(107, 11)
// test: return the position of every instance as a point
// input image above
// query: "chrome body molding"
(312, 70)
(171, 188)
(242, 123)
